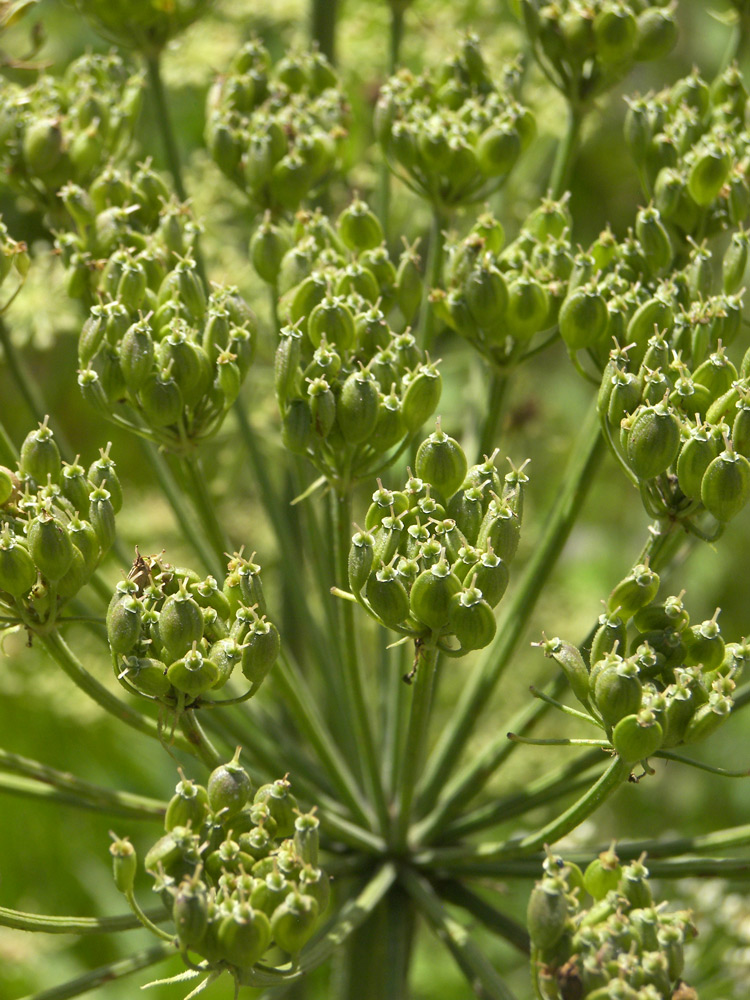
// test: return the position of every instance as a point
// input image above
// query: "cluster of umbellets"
(176, 637)
(453, 134)
(56, 523)
(682, 434)
(237, 869)
(350, 388)
(146, 25)
(276, 130)
(691, 147)
(651, 680)
(61, 130)
(122, 221)
(432, 561)
(598, 935)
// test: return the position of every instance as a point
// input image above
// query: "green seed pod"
(657, 33)
(190, 913)
(616, 32)
(40, 456)
(180, 623)
(583, 318)
(421, 396)
(8, 484)
(193, 674)
(43, 146)
(431, 594)
(637, 736)
(260, 651)
(50, 546)
(244, 936)
(696, 454)
(471, 619)
(498, 149)
(322, 406)
(634, 885)
(358, 406)
(441, 462)
(705, 645)
(314, 882)
(360, 561)
(500, 531)
(270, 893)
(104, 471)
(161, 399)
(528, 307)
(635, 591)
(102, 517)
(136, 355)
(331, 319)
(716, 373)
(307, 837)
(287, 362)
(708, 718)
(741, 428)
(293, 922)
(547, 912)
(602, 875)
(91, 337)
(654, 312)
(281, 804)
(486, 294)
(638, 128)
(187, 807)
(610, 635)
(491, 576)
(124, 863)
(75, 486)
(268, 245)
(467, 510)
(725, 487)
(653, 440)
(387, 596)
(408, 286)
(654, 240)
(617, 692)
(229, 787)
(709, 173)
(124, 625)
(359, 227)
(17, 569)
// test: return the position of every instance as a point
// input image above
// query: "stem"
(144, 919)
(494, 411)
(416, 735)
(42, 924)
(357, 711)
(24, 383)
(199, 494)
(61, 653)
(458, 939)
(172, 492)
(199, 742)
(171, 149)
(106, 973)
(323, 27)
(499, 923)
(94, 796)
(395, 714)
(566, 151)
(8, 452)
(476, 694)
(433, 275)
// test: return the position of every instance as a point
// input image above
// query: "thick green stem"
(64, 657)
(469, 957)
(39, 923)
(476, 694)
(106, 974)
(416, 736)
(200, 743)
(494, 415)
(498, 922)
(357, 713)
(566, 151)
(433, 275)
(96, 797)
(8, 453)
(171, 149)
(395, 715)
(204, 507)
(323, 26)
(172, 492)
(24, 383)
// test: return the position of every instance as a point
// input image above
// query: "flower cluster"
(175, 637)
(453, 134)
(621, 946)
(237, 870)
(66, 129)
(691, 147)
(652, 681)
(351, 390)
(432, 560)
(585, 48)
(146, 25)
(276, 131)
(56, 523)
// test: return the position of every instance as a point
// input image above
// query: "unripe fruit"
(40, 456)
(294, 921)
(50, 547)
(583, 318)
(491, 576)
(190, 913)
(281, 804)
(357, 407)
(617, 692)
(709, 173)
(431, 595)
(17, 569)
(602, 875)
(229, 787)
(547, 912)
(568, 657)
(653, 441)
(637, 736)
(102, 517)
(193, 674)
(421, 396)
(187, 807)
(387, 596)
(635, 591)
(180, 623)
(360, 561)
(441, 461)
(124, 624)
(471, 619)
(244, 936)
(359, 227)
(261, 650)
(124, 863)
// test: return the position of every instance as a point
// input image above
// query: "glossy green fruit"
(471, 619)
(653, 440)
(193, 674)
(725, 487)
(387, 596)
(244, 936)
(430, 599)
(50, 547)
(441, 462)
(229, 788)
(17, 570)
(294, 922)
(547, 912)
(637, 736)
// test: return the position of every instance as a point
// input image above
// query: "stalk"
(357, 714)
(416, 736)
(8, 452)
(396, 693)
(95, 796)
(65, 658)
(566, 151)
(106, 973)
(171, 149)
(433, 274)
(468, 956)
(495, 920)
(494, 411)
(42, 924)
(496, 657)
(191, 467)
(395, 38)
(201, 746)
(24, 383)
(323, 26)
